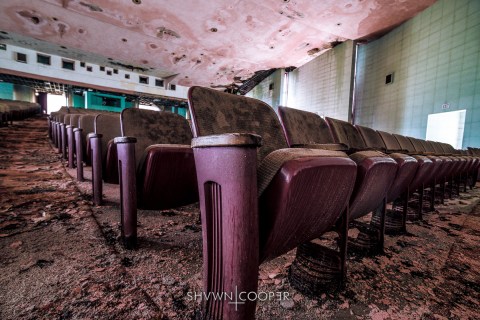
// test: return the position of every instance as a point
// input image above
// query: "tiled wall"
(435, 58)
(323, 85)
(270, 89)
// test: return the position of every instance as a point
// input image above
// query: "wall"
(23, 93)
(6, 91)
(96, 77)
(435, 58)
(11, 91)
(263, 92)
(324, 84)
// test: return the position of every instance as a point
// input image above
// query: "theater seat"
(406, 170)
(424, 171)
(156, 165)
(258, 198)
(375, 170)
(104, 152)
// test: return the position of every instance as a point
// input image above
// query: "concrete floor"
(60, 257)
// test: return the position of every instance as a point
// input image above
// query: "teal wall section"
(102, 101)
(11, 91)
(435, 58)
(78, 101)
(6, 91)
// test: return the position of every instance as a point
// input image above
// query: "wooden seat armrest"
(228, 140)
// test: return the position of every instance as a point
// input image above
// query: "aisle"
(54, 261)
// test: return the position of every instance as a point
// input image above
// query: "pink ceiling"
(199, 42)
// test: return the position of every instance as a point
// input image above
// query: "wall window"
(173, 87)
(21, 57)
(159, 83)
(3, 46)
(127, 76)
(43, 59)
(102, 68)
(89, 68)
(82, 64)
(143, 80)
(68, 64)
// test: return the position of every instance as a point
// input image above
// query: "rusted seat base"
(394, 218)
(316, 269)
(368, 240)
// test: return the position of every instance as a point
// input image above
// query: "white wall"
(324, 85)
(81, 75)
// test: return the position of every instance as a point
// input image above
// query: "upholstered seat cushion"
(166, 177)
(375, 174)
(272, 163)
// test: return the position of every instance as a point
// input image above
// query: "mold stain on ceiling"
(193, 42)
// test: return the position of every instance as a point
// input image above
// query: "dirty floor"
(60, 257)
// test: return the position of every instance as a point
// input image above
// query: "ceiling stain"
(29, 16)
(166, 34)
(62, 29)
(128, 66)
(92, 7)
(313, 51)
(237, 34)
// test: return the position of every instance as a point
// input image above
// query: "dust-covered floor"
(60, 257)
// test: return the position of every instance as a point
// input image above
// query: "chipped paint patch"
(92, 7)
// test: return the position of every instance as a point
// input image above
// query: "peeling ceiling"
(190, 42)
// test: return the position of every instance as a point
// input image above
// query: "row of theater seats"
(266, 183)
(12, 110)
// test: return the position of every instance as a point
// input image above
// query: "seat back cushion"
(390, 142)
(154, 127)
(303, 127)
(404, 142)
(214, 112)
(371, 137)
(344, 132)
(109, 126)
(417, 144)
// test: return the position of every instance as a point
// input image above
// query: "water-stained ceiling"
(212, 42)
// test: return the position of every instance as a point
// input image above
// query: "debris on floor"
(60, 255)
